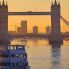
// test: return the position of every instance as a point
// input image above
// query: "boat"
(14, 57)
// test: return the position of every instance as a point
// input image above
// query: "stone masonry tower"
(4, 23)
(55, 36)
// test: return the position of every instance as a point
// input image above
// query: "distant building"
(24, 27)
(48, 30)
(35, 30)
(18, 30)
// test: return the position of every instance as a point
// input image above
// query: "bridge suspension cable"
(64, 20)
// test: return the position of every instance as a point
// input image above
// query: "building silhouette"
(23, 29)
(18, 30)
(35, 30)
(48, 30)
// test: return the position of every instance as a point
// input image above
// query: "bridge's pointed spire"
(59, 4)
(0, 2)
(6, 4)
(52, 3)
(3, 2)
(55, 2)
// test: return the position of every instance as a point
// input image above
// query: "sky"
(35, 5)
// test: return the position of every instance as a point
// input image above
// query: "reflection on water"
(35, 42)
(19, 42)
(41, 55)
(56, 56)
(30, 42)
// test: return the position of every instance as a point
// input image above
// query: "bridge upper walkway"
(29, 13)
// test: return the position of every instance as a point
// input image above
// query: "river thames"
(41, 55)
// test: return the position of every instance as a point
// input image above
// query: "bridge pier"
(55, 39)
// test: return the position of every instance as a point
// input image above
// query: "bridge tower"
(4, 23)
(55, 36)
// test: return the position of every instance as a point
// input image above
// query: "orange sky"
(40, 21)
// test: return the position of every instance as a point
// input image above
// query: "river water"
(41, 55)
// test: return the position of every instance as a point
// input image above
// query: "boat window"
(26, 64)
(8, 48)
(6, 64)
(5, 55)
(20, 55)
(12, 55)
(13, 64)
(11, 47)
(20, 63)
(14, 47)
(17, 55)
(21, 48)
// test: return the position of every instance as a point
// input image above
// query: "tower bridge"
(55, 14)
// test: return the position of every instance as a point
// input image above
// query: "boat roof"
(15, 47)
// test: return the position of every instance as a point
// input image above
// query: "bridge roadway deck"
(29, 36)
(29, 13)
(44, 36)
